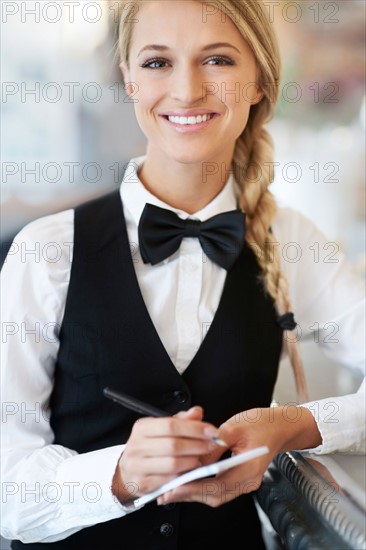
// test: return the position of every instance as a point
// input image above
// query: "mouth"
(190, 125)
(190, 120)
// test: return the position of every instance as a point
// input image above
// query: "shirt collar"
(134, 196)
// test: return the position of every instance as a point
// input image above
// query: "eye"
(220, 60)
(155, 63)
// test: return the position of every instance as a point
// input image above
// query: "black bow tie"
(161, 232)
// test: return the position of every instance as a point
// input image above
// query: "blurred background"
(68, 129)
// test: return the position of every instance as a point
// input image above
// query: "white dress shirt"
(48, 491)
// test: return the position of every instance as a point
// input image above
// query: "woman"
(190, 327)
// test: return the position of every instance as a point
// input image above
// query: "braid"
(252, 157)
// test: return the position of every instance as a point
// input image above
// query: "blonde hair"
(253, 154)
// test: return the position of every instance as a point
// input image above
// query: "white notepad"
(202, 471)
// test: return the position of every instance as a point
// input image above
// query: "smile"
(184, 120)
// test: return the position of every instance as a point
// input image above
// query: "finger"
(210, 492)
(176, 427)
(173, 446)
(168, 465)
(214, 455)
(147, 484)
(190, 492)
(194, 413)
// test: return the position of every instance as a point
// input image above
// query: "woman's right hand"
(159, 449)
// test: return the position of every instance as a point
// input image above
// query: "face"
(193, 81)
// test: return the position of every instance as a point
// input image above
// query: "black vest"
(108, 339)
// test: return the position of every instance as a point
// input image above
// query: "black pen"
(143, 408)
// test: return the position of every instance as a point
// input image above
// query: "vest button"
(180, 396)
(166, 529)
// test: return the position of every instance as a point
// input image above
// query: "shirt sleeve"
(48, 491)
(328, 297)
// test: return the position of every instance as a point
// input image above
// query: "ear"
(126, 77)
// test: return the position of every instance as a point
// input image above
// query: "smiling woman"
(175, 294)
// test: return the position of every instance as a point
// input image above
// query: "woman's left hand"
(278, 428)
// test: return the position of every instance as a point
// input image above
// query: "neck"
(188, 187)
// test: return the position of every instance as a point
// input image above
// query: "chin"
(192, 156)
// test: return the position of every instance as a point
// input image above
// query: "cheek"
(237, 91)
(238, 120)
(146, 101)
(149, 93)
(145, 106)
(238, 105)
(240, 123)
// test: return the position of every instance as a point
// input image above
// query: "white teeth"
(190, 120)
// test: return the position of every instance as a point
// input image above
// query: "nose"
(186, 84)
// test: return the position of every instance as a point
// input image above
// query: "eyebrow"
(160, 48)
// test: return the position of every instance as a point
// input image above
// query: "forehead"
(181, 23)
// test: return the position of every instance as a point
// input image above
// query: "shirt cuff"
(85, 481)
(341, 423)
